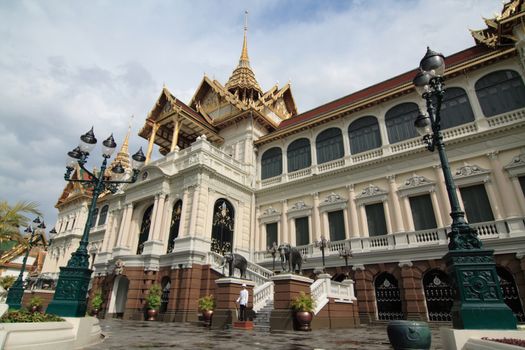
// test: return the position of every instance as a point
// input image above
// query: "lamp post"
(273, 250)
(346, 254)
(73, 281)
(16, 292)
(322, 244)
(479, 301)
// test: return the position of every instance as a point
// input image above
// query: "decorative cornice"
(516, 167)
(371, 191)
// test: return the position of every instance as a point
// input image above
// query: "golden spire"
(123, 155)
(242, 81)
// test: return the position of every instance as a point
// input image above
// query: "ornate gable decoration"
(416, 184)
(516, 167)
(469, 174)
(371, 194)
(300, 208)
(333, 202)
(270, 215)
(499, 30)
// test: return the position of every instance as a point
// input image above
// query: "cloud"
(66, 66)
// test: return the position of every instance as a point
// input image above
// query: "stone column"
(352, 212)
(193, 216)
(284, 223)
(316, 217)
(363, 220)
(398, 219)
(326, 226)
(414, 296)
(151, 142)
(494, 202)
(435, 207)
(310, 235)
(183, 214)
(388, 219)
(443, 196)
(517, 189)
(154, 214)
(124, 226)
(408, 214)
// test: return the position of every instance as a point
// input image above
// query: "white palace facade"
(241, 169)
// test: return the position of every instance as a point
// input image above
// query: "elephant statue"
(236, 261)
(291, 258)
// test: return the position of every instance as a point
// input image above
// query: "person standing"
(243, 302)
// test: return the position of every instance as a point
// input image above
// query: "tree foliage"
(13, 217)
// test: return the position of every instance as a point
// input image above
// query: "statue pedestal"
(286, 287)
(226, 293)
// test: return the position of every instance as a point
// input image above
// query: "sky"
(68, 65)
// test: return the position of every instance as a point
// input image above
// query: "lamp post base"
(479, 303)
(15, 295)
(70, 298)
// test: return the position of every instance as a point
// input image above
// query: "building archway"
(119, 296)
(510, 293)
(223, 224)
(388, 297)
(439, 295)
(165, 284)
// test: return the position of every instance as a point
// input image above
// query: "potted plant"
(207, 305)
(35, 303)
(303, 306)
(153, 301)
(96, 303)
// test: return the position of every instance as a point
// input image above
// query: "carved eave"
(257, 116)
(499, 31)
(74, 190)
(166, 111)
(19, 249)
(274, 95)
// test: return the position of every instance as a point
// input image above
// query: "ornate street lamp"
(346, 254)
(273, 251)
(16, 292)
(72, 286)
(322, 244)
(479, 301)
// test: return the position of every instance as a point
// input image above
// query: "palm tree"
(14, 217)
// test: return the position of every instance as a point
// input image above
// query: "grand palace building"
(241, 169)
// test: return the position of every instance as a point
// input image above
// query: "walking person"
(243, 302)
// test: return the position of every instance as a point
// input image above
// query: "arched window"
(510, 292)
(329, 145)
(223, 224)
(439, 295)
(400, 122)
(364, 134)
(500, 92)
(299, 155)
(455, 109)
(103, 215)
(144, 229)
(175, 224)
(93, 219)
(271, 163)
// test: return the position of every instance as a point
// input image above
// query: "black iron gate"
(388, 298)
(165, 297)
(510, 293)
(439, 295)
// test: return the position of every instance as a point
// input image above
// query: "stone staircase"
(261, 321)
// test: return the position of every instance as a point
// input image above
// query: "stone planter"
(303, 319)
(152, 315)
(206, 317)
(404, 335)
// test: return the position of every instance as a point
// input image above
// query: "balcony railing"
(403, 240)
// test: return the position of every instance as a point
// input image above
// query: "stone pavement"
(161, 335)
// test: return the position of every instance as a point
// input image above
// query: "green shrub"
(23, 316)
(153, 297)
(303, 302)
(35, 301)
(7, 281)
(97, 300)
(207, 303)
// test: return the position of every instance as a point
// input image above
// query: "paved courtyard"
(159, 335)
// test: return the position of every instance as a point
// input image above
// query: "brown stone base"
(282, 320)
(222, 318)
(243, 325)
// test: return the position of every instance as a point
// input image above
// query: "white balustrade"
(261, 295)
(324, 288)
(507, 118)
(299, 173)
(331, 165)
(366, 156)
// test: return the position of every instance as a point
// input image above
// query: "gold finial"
(244, 54)
(125, 144)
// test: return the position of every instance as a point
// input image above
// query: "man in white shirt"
(243, 302)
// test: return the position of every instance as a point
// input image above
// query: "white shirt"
(243, 297)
